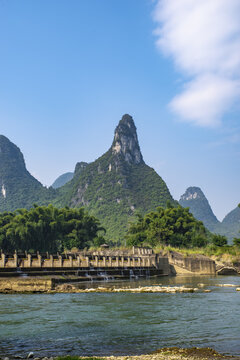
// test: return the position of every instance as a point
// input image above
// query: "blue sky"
(69, 69)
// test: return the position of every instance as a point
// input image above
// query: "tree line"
(47, 228)
(174, 226)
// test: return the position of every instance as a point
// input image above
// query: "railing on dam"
(139, 257)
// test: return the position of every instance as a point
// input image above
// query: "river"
(123, 323)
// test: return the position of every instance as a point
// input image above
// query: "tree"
(219, 240)
(46, 228)
(174, 226)
(236, 242)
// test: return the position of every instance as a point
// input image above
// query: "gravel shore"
(173, 353)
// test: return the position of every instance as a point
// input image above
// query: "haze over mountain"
(62, 180)
(230, 225)
(18, 187)
(118, 184)
(199, 206)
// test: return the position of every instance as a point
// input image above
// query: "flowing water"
(123, 323)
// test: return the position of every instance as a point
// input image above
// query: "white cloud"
(205, 99)
(203, 38)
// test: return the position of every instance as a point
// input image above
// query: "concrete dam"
(84, 264)
(43, 272)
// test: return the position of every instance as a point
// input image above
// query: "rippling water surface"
(122, 323)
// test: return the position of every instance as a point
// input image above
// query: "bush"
(219, 240)
(236, 242)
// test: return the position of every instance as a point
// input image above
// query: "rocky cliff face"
(125, 141)
(67, 177)
(117, 184)
(80, 166)
(199, 206)
(18, 187)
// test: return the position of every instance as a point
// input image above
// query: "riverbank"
(173, 353)
(44, 285)
(176, 353)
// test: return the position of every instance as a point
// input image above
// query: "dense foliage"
(46, 228)
(114, 196)
(219, 240)
(174, 226)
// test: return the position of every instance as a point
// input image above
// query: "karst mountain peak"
(117, 184)
(18, 188)
(8, 150)
(195, 199)
(125, 142)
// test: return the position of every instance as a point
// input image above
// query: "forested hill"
(199, 206)
(62, 180)
(18, 188)
(230, 225)
(118, 184)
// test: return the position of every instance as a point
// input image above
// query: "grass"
(226, 253)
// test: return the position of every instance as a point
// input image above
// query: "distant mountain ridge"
(65, 178)
(230, 225)
(62, 180)
(199, 206)
(195, 199)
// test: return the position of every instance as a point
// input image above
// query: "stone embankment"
(26, 285)
(193, 264)
(227, 268)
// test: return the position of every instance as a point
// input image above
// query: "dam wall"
(110, 261)
(81, 260)
(197, 264)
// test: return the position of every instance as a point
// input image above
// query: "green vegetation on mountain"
(117, 184)
(46, 228)
(62, 180)
(199, 206)
(113, 188)
(18, 188)
(230, 225)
